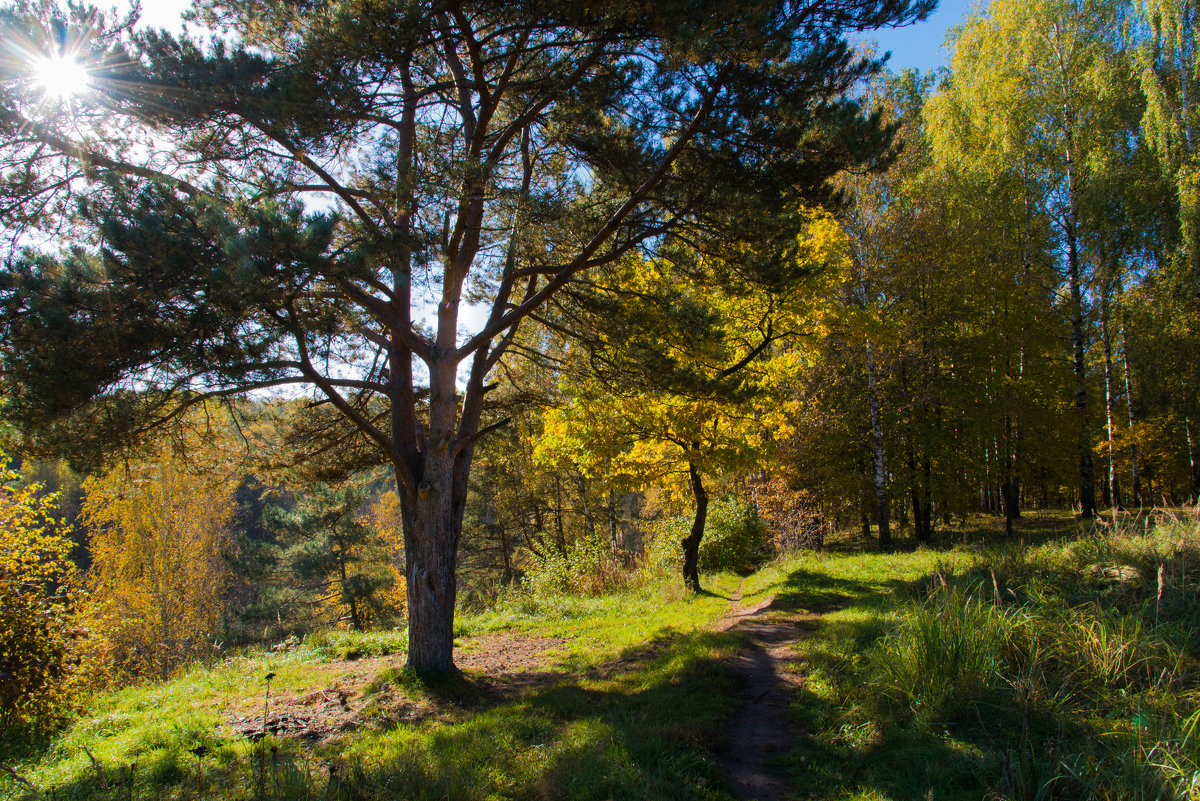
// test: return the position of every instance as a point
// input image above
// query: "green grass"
(636, 713)
(597, 627)
(1054, 666)
(1004, 670)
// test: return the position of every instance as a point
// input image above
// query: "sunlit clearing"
(61, 77)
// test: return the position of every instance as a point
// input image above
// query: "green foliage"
(334, 560)
(735, 539)
(587, 567)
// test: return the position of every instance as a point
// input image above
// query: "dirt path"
(761, 733)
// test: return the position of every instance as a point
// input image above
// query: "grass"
(635, 713)
(1063, 665)
(1006, 671)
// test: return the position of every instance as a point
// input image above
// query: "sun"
(61, 77)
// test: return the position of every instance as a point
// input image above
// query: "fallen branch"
(17, 776)
(99, 768)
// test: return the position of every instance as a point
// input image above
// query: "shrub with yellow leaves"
(44, 670)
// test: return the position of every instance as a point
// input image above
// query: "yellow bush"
(43, 669)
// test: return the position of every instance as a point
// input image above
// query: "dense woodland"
(622, 292)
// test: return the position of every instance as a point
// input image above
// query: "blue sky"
(920, 45)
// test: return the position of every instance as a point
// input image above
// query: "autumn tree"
(312, 199)
(1169, 70)
(672, 380)
(161, 529)
(1036, 92)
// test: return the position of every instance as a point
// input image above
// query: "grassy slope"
(1057, 667)
(912, 689)
(639, 732)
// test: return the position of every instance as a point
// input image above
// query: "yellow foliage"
(637, 439)
(43, 668)
(160, 533)
(385, 517)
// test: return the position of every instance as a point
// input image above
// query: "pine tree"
(452, 152)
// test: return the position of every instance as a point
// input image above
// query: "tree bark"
(560, 532)
(691, 543)
(1194, 474)
(1114, 489)
(614, 540)
(882, 518)
(1087, 478)
(431, 542)
(1010, 487)
(588, 518)
(1133, 449)
(922, 502)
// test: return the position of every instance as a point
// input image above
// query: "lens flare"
(61, 77)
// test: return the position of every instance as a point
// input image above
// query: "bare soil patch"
(508, 664)
(505, 664)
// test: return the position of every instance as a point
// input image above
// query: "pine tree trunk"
(433, 514)
(431, 478)
(691, 543)
(431, 545)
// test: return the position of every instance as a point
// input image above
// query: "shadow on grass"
(1012, 738)
(841, 752)
(645, 731)
(820, 592)
(978, 531)
(644, 725)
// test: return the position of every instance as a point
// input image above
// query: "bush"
(587, 568)
(43, 670)
(735, 539)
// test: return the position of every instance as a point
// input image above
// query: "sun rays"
(60, 77)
